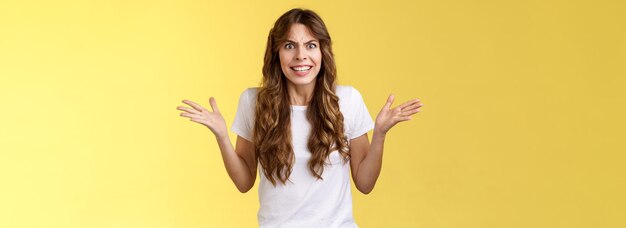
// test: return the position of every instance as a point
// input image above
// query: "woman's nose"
(300, 55)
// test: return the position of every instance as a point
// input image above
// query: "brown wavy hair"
(272, 126)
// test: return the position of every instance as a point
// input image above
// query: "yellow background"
(523, 123)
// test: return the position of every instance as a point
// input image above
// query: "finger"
(189, 110)
(389, 101)
(412, 106)
(214, 105)
(196, 120)
(410, 112)
(194, 105)
(411, 102)
(191, 115)
(402, 119)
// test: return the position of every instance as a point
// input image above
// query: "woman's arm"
(366, 160)
(240, 162)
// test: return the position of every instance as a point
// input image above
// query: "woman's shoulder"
(249, 95)
(251, 90)
(343, 90)
(347, 92)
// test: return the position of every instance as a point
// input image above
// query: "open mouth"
(301, 68)
(301, 71)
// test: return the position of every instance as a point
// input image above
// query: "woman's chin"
(301, 81)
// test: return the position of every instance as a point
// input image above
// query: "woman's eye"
(289, 46)
(312, 45)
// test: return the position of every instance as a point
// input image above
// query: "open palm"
(211, 119)
(389, 117)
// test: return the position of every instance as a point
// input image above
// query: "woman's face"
(300, 56)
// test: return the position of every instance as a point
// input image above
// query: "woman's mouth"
(301, 70)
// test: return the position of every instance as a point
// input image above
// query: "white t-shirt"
(306, 201)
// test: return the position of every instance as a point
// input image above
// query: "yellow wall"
(523, 117)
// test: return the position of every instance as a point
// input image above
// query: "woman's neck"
(300, 95)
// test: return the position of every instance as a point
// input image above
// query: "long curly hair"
(272, 125)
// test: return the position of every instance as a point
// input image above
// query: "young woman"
(303, 130)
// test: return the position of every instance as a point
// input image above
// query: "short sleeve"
(243, 124)
(360, 120)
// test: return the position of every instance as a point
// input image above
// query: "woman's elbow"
(244, 185)
(243, 188)
(365, 189)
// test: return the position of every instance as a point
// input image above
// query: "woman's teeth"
(304, 68)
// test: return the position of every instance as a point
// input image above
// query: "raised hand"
(213, 120)
(389, 117)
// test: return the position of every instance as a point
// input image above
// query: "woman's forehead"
(300, 33)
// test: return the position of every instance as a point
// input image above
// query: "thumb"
(389, 102)
(214, 105)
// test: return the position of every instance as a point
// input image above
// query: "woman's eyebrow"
(310, 41)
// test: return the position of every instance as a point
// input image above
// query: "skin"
(302, 49)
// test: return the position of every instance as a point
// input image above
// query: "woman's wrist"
(221, 135)
(379, 132)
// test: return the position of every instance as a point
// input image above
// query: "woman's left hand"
(389, 117)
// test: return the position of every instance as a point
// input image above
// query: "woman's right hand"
(213, 120)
